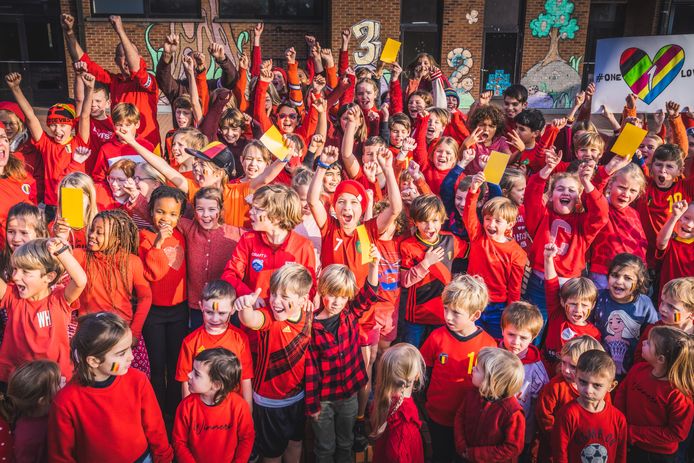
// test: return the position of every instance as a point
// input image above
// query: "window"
(147, 8)
(420, 26)
(271, 9)
(503, 41)
(681, 17)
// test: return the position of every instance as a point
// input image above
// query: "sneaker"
(361, 441)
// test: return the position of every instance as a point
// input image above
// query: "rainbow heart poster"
(656, 69)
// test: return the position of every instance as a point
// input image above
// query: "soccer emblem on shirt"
(257, 264)
(443, 358)
(594, 453)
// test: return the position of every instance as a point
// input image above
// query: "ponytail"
(678, 349)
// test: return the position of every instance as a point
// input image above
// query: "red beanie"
(354, 188)
(283, 72)
(13, 108)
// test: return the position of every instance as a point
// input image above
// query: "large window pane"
(9, 37)
(419, 11)
(270, 9)
(167, 8)
(127, 7)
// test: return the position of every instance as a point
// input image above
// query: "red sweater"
(113, 424)
(573, 233)
(677, 259)
(659, 415)
(501, 265)
(557, 393)
(221, 433)
(401, 441)
(623, 233)
(489, 431)
(165, 268)
(580, 434)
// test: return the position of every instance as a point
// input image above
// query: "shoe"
(361, 441)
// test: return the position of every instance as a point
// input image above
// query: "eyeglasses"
(116, 180)
(140, 179)
(291, 116)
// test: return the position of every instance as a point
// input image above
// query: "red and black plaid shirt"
(334, 366)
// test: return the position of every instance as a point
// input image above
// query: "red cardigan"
(401, 441)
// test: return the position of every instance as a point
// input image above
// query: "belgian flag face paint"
(115, 367)
(678, 316)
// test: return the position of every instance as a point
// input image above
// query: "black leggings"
(164, 330)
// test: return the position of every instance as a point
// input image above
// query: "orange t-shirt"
(236, 207)
(199, 340)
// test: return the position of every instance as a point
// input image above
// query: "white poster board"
(656, 68)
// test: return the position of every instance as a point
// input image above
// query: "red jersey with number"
(340, 248)
(451, 358)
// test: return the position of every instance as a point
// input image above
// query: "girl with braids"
(116, 275)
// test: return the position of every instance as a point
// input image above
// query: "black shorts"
(275, 427)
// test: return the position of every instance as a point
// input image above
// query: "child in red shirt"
(568, 309)
(76, 237)
(450, 353)
(489, 424)
(512, 186)
(395, 420)
(25, 222)
(30, 392)
(677, 252)
(106, 401)
(560, 390)
(656, 395)
(164, 264)
(494, 254)
(589, 428)
(216, 303)
(213, 423)
(38, 312)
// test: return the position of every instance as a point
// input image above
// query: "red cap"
(13, 108)
(354, 188)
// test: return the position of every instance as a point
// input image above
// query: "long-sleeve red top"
(165, 268)
(659, 415)
(501, 265)
(305, 130)
(107, 292)
(573, 233)
(489, 431)
(111, 424)
(401, 441)
(623, 233)
(221, 433)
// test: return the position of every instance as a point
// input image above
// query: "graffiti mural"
(553, 82)
(498, 81)
(368, 35)
(472, 17)
(460, 59)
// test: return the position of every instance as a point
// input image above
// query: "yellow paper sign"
(272, 139)
(72, 207)
(364, 244)
(390, 51)
(496, 165)
(628, 141)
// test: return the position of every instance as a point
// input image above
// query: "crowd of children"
(206, 300)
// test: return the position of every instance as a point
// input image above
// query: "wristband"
(325, 166)
(61, 250)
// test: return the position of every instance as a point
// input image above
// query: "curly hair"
(491, 112)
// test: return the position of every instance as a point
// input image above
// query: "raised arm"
(250, 317)
(73, 46)
(189, 68)
(83, 125)
(78, 278)
(31, 121)
(349, 160)
(132, 57)
(665, 233)
(387, 217)
(327, 158)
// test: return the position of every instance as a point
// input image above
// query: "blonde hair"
(125, 113)
(510, 179)
(581, 288)
(291, 278)
(524, 316)
(681, 290)
(633, 171)
(267, 155)
(34, 255)
(85, 183)
(399, 365)
(151, 171)
(503, 373)
(561, 176)
(465, 294)
(192, 137)
(337, 280)
(577, 346)
(443, 115)
(281, 204)
(427, 207)
(589, 139)
(446, 141)
(501, 207)
(677, 347)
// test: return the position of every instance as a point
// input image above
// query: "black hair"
(166, 191)
(517, 91)
(531, 118)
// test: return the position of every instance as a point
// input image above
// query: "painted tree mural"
(557, 23)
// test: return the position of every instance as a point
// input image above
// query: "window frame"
(147, 14)
(322, 5)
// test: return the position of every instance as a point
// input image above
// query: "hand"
(552, 158)
(515, 141)
(579, 99)
(315, 416)
(590, 90)
(290, 54)
(188, 65)
(679, 208)
(346, 35)
(88, 80)
(485, 98)
(13, 80)
(116, 22)
(385, 112)
(353, 115)
(673, 109)
(414, 170)
(433, 256)
(473, 139)
(68, 23)
(688, 112)
(375, 255)
(54, 245)
(467, 157)
(247, 302)
(171, 44)
(243, 61)
(125, 136)
(551, 250)
(477, 180)
(130, 187)
(267, 64)
(320, 104)
(372, 115)
(385, 159)
(80, 67)
(408, 145)
(326, 55)
(370, 170)
(317, 142)
(60, 228)
(395, 72)
(165, 231)
(585, 171)
(318, 83)
(310, 40)
(315, 50)
(617, 162)
(560, 122)
(330, 155)
(217, 51)
(606, 113)
(199, 61)
(659, 118)
(258, 30)
(266, 75)
(631, 100)
(81, 154)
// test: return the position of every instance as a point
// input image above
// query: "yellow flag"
(72, 206)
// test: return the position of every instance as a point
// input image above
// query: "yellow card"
(628, 141)
(272, 139)
(72, 207)
(390, 51)
(496, 166)
(364, 244)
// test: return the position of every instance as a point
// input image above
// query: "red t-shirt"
(112, 152)
(221, 433)
(677, 259)
(101, 131)
(451, 358)
(35, 330)
(13, 192)
(199, 340)
(165, 268)
(57, 162)
(282, 350)
(341, 248)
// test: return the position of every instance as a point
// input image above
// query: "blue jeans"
(535, 293)
(416, 333)
(490, 320)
